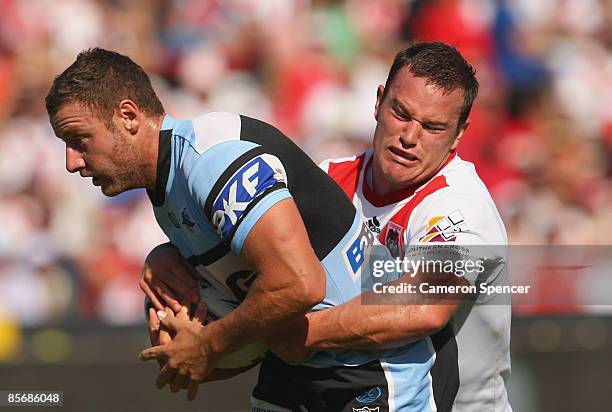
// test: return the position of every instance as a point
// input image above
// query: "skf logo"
(250, 181)
(355, 254)
(444, 228)
(367, 409)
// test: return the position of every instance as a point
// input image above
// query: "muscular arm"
(291, 280)
(355, 325)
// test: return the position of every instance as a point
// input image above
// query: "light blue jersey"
(218, 174)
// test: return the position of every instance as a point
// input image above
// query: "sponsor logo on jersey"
(239, 283)
(355, 253)
(366, 409)
(250, 181)
(204, 284)
(394, 239)
(374, 225)
(444, 228)
(174, 220)
(369, 396)
(186, 220)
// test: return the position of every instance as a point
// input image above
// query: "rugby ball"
(219, 305)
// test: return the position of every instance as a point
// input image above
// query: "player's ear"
(129, 116)
(460, 133)
(380, 92)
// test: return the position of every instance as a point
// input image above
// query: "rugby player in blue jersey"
(259, 222)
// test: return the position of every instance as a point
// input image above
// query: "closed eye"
(433, 129)
(76, 143)
(402, 115)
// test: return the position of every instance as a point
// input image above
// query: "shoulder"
(211, 144)
(462, 205)
(462, 177)
(211, 129)
(348, 162)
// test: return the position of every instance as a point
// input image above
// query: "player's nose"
(410, 134)
(74, 160)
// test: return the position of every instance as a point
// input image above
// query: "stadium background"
(541, 137)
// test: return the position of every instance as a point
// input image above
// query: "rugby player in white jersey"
(414, 189)
(420, 192)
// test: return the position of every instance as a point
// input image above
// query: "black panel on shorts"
(327, 213)
(445, 370)
(333, 389)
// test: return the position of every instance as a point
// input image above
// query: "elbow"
(312, 290)
(429, 322)
(433, 323)
(315, 295)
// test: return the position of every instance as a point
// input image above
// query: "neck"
(378, 185)
(150, 150)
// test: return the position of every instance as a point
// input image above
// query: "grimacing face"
(94, 150)
(416, 130)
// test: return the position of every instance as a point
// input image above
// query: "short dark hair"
(443, 66)
(100, 79)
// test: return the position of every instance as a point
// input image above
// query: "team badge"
(369, 396)
(174, 220)
(444, 228)
(367, 409)
(394, 239)
(186, 220)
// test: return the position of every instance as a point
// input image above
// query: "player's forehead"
(73, 117)
(419, 94)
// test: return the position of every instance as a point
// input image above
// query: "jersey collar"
(380, 201)
(163, 163)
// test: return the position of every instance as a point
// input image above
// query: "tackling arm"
(355, 325)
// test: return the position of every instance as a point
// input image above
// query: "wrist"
(213, 338)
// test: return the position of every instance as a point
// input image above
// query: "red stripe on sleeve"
(346, 174)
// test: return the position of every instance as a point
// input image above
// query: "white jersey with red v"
(453, 206)
(387, 216)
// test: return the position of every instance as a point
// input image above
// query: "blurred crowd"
(540, 133)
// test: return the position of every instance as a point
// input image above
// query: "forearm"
(354, 325)
(291, 280)
(265, 309)
(394, 321)
(223, 374)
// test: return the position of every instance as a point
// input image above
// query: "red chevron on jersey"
(401, 218)
(346, 174)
